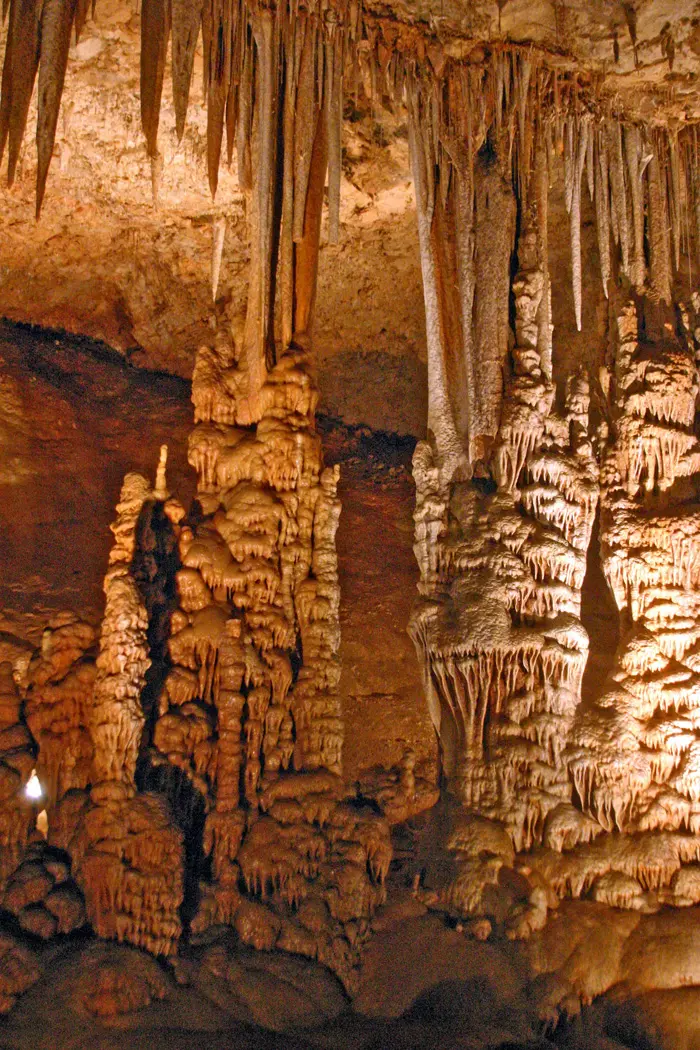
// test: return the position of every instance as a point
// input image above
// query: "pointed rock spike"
(155, 31)
(56, 24)
(186, 21)
(26, 15)
(6, 89)
(81, 13)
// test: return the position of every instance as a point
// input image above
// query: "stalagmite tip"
(160, 490)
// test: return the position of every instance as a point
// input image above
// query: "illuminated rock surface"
(225, 815)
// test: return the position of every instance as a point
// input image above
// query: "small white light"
(33, 790)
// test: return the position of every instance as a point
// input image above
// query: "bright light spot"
(34, 790)
(42, 823)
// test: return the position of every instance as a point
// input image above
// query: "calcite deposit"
(172, 772)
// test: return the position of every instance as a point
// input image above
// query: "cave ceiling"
(139, 276)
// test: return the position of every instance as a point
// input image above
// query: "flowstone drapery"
(126, 849)
(498, 625)
(634, 753)
(249, 716)
(503, 523)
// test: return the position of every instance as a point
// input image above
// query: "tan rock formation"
(632, 754)
(61, 680)
(249, 713)
(127, 853)
(17, 758)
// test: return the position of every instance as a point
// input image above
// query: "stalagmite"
(60, 686)
(632, 752)
(259, 579)
(126, 850)
(17, 815)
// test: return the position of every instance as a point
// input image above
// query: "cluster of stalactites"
(643, 185)
(38, 40)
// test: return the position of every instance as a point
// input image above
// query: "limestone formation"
(17, 759)
(18, 971)
(498, 625)
(126, 850)
(632, 754)
(248, 726)
(61, 680)
(174, 780)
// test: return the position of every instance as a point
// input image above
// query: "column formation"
(250, 712)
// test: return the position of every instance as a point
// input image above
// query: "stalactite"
(217, 250)
(618, 194)
(441, 422)
(56, 24)
(19, 72)
(305, 125)
(286, 251)
(81, 14)
(590, 164)
(265, 29)
(602, 208)
(495, 227)
(674, 195)
(155, 33)
(541, 203)
(636, 163)
(334, 87)
(186, 19)
(576, 163)
(245, 114)
(223, 16)
(658, 226)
